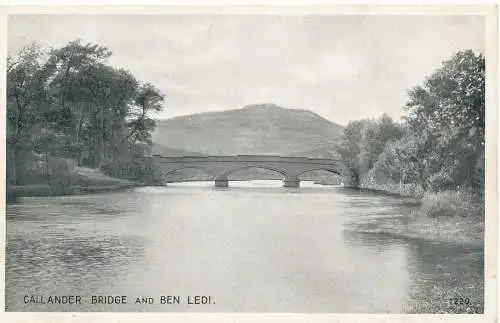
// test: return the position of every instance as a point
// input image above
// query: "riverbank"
(466, 232)
(83, 181)
(446, 218)
(449, 217)
(405, 190)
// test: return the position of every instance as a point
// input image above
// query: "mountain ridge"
(253, 129)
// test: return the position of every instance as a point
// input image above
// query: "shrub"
(131, 169)
(461, 203)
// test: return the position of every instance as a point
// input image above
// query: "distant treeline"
(68, 103)
(440, 144)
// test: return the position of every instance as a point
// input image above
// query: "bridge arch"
(280, 171)
(321, 175)
(208, 172)
(327, 169)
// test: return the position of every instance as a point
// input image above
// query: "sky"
(341, 67)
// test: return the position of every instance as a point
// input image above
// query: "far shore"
(111, 185)
(43, 190)
(84, 181)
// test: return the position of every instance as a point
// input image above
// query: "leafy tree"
(68, 102)
(376, 134)
(73, 85)
(148, 99)
(442, 146)
(23, 92)
(449, 110)
(136, 141)
(349, 150)
(362, 143)
(400, 162)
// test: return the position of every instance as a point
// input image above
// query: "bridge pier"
(221, 182)
(291, 182)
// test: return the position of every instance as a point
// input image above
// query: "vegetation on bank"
(68, 104)
(435, 155)
(460, 203)
(438, 149)
(450, 216)
(81, 181)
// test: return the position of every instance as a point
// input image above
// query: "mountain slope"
(158, 149)
(321, 151)
(255, 129)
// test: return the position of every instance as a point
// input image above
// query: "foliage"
(448, 113)
(460, 203)
(68, 102)
(440, 144)
(363, 141)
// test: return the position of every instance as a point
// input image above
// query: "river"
(255, 247)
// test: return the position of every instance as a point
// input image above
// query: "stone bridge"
(220, 167)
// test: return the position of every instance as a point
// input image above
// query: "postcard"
(316, 163)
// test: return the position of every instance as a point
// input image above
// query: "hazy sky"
(341, 67)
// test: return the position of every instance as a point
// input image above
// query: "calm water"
(255, 247)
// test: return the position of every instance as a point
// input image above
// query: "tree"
(24, 89)
(449, 111)
(140, 124)
(362, 143)
(72, 85)
(69, 103)
(136, 140)
(400, 162)
(349, 149)
(375, 135)
(112, 91)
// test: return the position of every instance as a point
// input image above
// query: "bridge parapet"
(220, 167)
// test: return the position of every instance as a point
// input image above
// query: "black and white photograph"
(247, 162)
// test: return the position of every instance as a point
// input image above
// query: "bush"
(130, 169)
(461, 203)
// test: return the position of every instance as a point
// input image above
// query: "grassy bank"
(455, 286)
(445, 226)
(406, 190)
(446, 230)
(83, 181)
(448, 216)
(454, 217)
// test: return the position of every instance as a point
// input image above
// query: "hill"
(254, 129)
(321, 151)
(159, 149)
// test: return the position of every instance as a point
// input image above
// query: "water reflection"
(255, 247)
(376, 241)
(55, 249)
(437, 271)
